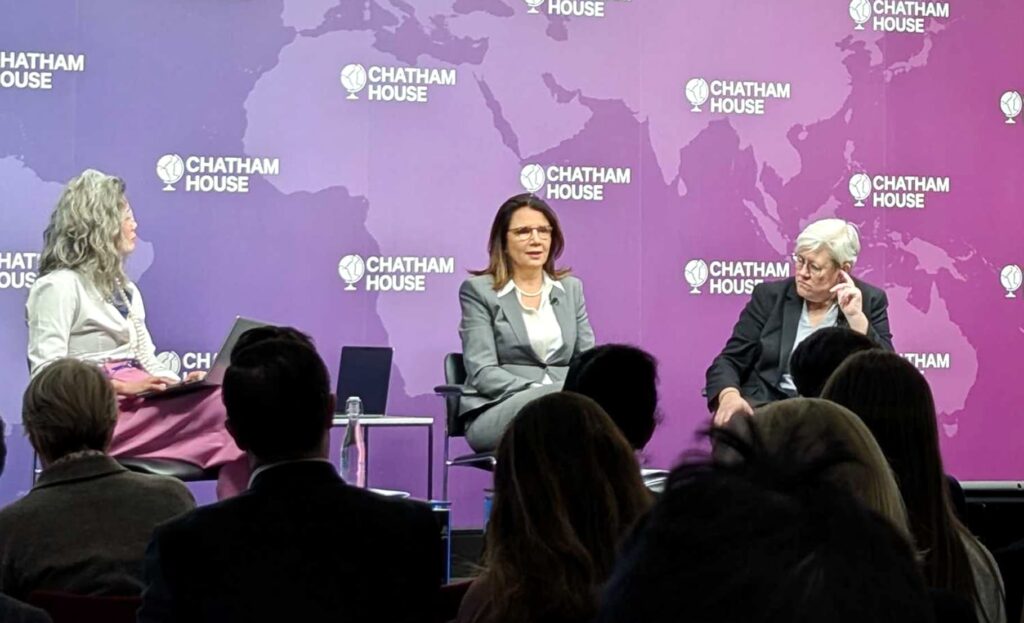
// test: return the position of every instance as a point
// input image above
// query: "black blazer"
(299, 545)
(757, 353)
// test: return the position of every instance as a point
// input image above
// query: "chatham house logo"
(392, 273)
(532, 178)
(351, 269)
(1010, 103)
(896, 191)
(860, 188)
(353, 78)
(696, 273)
(697, 91)
(170, 168)
(570, 8)
(1011, 278)
(170, 360)
(572, 182)
(734, 97)
(860, 11)
(905, 16)
(732, 277)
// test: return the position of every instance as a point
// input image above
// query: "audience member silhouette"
(84, 526)
(818, 356)
(566, 489)
(12, 610)
(300, 544)
(894, 400)
(623, 379)
(772, 534)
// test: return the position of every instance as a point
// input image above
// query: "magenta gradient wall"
(599, 100)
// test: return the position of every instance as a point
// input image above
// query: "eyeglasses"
(802, 263)
(525, 233)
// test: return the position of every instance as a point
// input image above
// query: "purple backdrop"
(594, 101)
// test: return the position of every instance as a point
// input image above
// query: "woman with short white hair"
(753, 368)
(84, 306)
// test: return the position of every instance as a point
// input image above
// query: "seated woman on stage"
(753, 368)
(523, 320)
(84, 306)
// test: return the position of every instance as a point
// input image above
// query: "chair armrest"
(449, 390)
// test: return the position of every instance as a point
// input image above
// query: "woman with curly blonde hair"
(84, 306)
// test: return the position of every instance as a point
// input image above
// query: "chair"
(182, 470)
(455, 379)
(68, 608)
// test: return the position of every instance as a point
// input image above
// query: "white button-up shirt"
(542, 328)
(67, 317)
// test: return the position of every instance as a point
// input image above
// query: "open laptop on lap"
(365, 371)
(220, 364)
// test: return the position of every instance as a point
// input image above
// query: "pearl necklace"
(523, 292)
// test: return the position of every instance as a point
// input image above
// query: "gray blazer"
(83, 528)
(496, 348)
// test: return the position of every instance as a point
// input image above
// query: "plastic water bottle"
(353, 447)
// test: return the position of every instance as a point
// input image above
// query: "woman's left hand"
(851, 302)
(195, 375)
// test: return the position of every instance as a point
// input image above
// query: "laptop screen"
(365, 371)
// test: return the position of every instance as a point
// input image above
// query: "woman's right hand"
(730, 402)
(131, 388)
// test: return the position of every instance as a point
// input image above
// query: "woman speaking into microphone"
(84, 306)
(523, 320)
(753, 368)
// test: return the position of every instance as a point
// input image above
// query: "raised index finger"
(846, 277)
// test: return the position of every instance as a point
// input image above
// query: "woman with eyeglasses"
(84, 306)
(753, 368)
(523, 320)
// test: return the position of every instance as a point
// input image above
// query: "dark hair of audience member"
(623, 379)
(69, 407)
(767, 538)
(270, 332)
(567, 488)
(278, 399)
(818, 356)
(893, 399)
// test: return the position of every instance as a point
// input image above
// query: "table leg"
(365, 467)
(430, 461)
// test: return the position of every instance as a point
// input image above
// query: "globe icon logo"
(532, 177)
(1011, 277)
(697, 92)
(170, 360)
(860, 188)
(170, 168)
(860, 11)
(353, 78)
(351, 268)
(533, 4)
(1010, 103)
(696, 273)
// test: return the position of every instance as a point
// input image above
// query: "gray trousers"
(486, 430)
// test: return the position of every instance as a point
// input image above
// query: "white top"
(542, 328)
(804, 331)
(67, 317)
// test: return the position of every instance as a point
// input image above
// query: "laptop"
(220, 364)
(365, 371)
